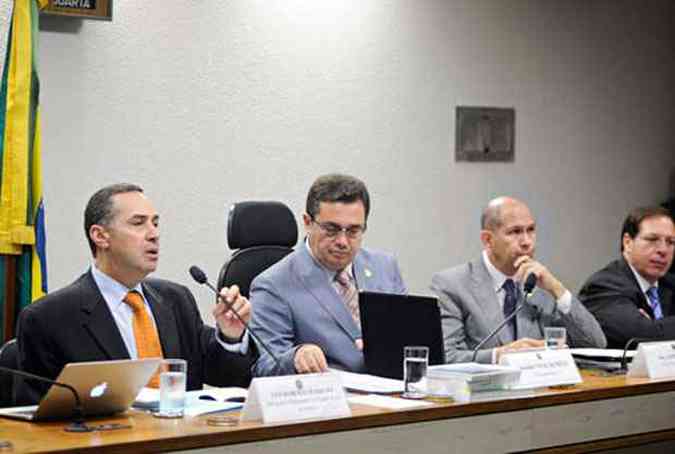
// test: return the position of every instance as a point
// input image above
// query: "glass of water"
(555, 337)
(415, 361)
(172, 378)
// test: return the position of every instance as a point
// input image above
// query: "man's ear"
(306, 221)
(100, 236)
(627, 242)
(486, 239)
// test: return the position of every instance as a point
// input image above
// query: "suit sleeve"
(583, 330)
(36, 356)
(272, 321)
(452, 324)
(618, 312)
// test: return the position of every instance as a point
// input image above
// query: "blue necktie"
(653, 295)
(510, 302)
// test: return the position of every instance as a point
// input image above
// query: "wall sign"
(484, 134)
(88, 9)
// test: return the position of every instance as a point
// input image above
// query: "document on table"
(368, 383)
(197, 402)
(393, 403)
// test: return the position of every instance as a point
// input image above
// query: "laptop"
(390, 322)
(104, 387)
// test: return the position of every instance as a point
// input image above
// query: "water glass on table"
(172, 381)
(415, 361)
(555, 337)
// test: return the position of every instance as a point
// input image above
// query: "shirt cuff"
(240, 347)
(564, 303)
(494, 356)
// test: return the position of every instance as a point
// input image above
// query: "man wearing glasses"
(633, 296)
(305, 308)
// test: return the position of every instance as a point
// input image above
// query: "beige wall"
(210, 102)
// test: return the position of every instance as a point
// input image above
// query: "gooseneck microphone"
(78, 424)
(528, 287)
(629, 344)
(200, 277)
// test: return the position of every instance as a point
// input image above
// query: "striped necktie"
(145, 334)
(347, 290)
(654, 302)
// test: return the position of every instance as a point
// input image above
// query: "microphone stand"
(624, 357)
(528, 287)
(78, 424)
(199, 276)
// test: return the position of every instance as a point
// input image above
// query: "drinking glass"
(415, 361)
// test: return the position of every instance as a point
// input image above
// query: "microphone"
(78, 424)
(528, 287)
(631, 341)
(199, 276)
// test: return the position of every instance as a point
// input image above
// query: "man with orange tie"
(113, 312)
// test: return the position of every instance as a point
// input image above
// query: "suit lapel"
(641, 297)
(99, 322)
(316, 281)
(482, 288)
(165, 321)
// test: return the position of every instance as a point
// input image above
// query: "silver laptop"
(104, 387)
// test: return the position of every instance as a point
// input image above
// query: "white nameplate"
(295, 398)
(653, 360)
(543, 368)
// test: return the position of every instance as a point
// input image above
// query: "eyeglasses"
(332, 230)
(654, 241)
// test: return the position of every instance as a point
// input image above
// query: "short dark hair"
(631, 225)
(99, 209)
(336, 188)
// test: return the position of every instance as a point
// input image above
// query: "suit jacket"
(470, 310)
(74, 324)
(295, 303)
(614, 296)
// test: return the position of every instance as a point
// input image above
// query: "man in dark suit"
(633, 297)
(94, 319)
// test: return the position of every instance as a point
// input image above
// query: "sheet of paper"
(393, 403)
(204, 400)
(368, 383)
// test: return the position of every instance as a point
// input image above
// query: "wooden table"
(601, 413)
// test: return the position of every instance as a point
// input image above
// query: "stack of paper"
(198, 402)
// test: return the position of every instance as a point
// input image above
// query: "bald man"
(477, 296)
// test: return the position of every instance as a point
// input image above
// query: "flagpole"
(10, 296)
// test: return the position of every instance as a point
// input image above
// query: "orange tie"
(147, 340)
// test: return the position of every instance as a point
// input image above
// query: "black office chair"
(9, 357)
(262, 234)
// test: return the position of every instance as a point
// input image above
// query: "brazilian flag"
(22, 228)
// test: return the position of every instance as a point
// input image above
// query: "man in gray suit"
(305, 308)
(477, 296)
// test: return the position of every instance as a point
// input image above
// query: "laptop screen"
(390, 322)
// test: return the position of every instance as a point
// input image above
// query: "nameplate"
(295, 398)
(541, 368)
(653, 360)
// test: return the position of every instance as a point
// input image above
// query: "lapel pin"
(368, 273)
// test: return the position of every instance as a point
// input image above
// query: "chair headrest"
(261, 224)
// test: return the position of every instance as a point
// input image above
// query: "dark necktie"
(654, 302)
(510, 302)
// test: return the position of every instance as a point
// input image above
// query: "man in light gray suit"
(305, 308)
(477, 296)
